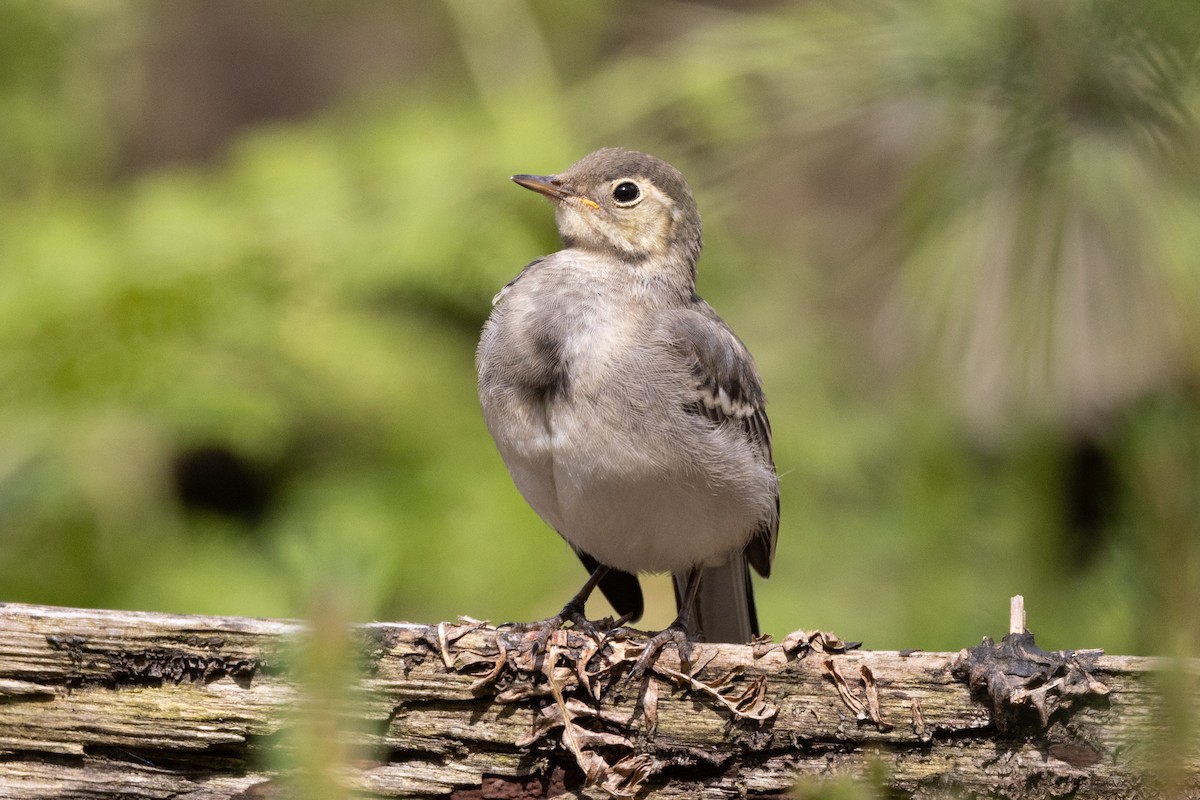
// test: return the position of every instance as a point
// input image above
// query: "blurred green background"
(246, 250)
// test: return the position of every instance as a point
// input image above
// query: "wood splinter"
(1016, 614)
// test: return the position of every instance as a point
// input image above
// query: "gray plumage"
(629, 415)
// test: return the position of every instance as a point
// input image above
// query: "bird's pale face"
(629, 214)
(608, 204)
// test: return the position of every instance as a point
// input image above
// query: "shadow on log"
(135, 705)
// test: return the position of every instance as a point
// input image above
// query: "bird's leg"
(572, 612)
(676, 633)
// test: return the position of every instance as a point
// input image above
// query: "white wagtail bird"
(629, 415)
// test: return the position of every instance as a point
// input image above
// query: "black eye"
(626, 192)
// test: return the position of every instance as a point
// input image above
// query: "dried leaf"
(556, 688)
(594, 768)
(756, 708)
(627, 776)
(753, 697)
(555, 715)
(443, 645)
(918, 722)
(523, 658)
(565, 675)
(726, 679)
(650, 704)
(551, 660)
(761, 645)
(794, 641)
(832, 643)
(447, 634)
(586, 737)
(548, 718)
(586, 652)
(621, 654)
(843, 689)
(805, 642)
(489, 677)
(700, 665)
(871, 689)
(465, 659)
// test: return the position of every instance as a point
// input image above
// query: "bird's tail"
(724, 609)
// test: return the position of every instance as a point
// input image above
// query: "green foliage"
(870, 174)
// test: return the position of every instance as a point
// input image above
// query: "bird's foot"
(542, 630)
(676, 634)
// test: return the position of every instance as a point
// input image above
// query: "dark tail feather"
(724, 609)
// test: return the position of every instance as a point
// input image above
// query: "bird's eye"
(626, 193)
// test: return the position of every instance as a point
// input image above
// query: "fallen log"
(98, 704)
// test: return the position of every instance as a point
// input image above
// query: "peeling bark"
(98, 704)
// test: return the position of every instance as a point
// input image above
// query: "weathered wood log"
(98, 704)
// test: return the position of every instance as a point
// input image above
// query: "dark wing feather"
(728, 389)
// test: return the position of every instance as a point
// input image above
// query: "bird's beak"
(552, 188)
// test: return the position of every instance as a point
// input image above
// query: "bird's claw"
(674, 634)
(542, 630)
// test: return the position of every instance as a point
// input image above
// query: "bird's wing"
(504, 289)
(727, 388)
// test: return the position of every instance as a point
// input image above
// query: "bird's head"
(624, 203)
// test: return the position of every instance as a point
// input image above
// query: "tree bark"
(98, 704)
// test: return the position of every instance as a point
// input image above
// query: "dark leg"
(675, 633)
(572, 612)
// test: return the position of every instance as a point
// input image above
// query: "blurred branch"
(137, 705)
